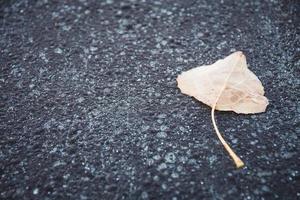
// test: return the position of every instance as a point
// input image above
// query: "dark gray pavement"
(89, 106)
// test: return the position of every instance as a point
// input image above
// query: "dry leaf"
(226, 85)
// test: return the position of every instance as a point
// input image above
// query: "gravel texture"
(90, 109)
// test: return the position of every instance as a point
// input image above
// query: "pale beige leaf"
(241, 91)
(226, 85)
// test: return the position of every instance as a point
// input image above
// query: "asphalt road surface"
(90, 109)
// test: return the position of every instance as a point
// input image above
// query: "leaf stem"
(238, 162)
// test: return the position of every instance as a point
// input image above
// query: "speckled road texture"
(90, 107)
